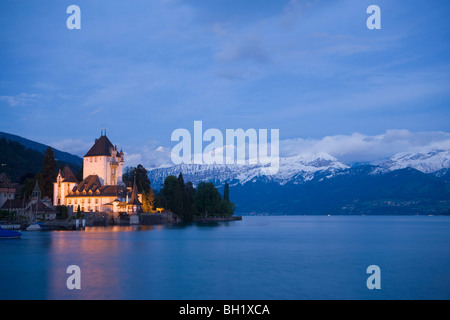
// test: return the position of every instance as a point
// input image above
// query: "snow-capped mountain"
(425, 162)
(299, 169)
(321, 184)
(295, 169)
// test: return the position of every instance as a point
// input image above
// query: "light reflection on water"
(123, 228)
(258, 258)
(99, 252)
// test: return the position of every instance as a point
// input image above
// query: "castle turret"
(104, 160)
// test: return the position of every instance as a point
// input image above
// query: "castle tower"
(104, 160)
(65, 182)
(102, 189)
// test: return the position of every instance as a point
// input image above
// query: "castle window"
(69, 202)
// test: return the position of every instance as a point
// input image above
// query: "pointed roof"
(13, 204)
(92, 187)
(90, 183)
(134, 197)
(36, 187)
(40, 206)
(101, 147)
(68, 175)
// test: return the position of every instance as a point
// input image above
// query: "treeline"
(25, 166)
(18, 162)
(179, 197)
(45, 177)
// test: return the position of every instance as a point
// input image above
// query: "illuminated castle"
(102, 189)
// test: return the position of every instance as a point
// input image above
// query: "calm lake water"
(274, 258)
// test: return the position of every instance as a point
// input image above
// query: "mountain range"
(320, 184)
(407, 183)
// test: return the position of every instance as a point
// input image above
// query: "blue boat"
(9, 234)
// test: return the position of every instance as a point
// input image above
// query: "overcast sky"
(311, 69)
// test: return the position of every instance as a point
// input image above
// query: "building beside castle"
(31, 209)
(102, 188)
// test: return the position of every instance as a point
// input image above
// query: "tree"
(226, 206)
(140, 174)
(226, 193)
(148, 201)
(28, 185)
(168, 192)
(61, 212)
(79, 175)
(127, 176)
(189, 208)
(179, 196)
(49, 172)
(207, 199)
(142, 181)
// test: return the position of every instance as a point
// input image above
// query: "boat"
(9, 234)
(34, 227)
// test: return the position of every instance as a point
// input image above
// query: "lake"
(258, 258)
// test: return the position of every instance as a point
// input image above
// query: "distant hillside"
(355, 191)
(19, 161)
(310, 184)
(36, 146)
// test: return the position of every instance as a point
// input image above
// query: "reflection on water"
(123, 228)
(99, 252)
(258, 258)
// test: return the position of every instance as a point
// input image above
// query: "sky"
(311, 69)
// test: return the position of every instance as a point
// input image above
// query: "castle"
(102, 188)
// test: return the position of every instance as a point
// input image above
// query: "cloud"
(359, 147)
(22, 99)
(73, 146)
(356, 147)
(247, 50)
(149, 156)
